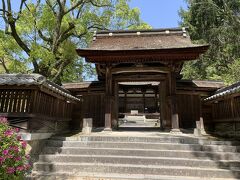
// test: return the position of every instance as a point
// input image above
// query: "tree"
(216, 22)
(48, 32)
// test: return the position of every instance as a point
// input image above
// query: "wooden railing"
(15, 100)
(36, 108)
(222, 115)
(51, 106)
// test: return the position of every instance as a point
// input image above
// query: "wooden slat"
(19, 99)
(2, 92)
(10, 101)
(23, 101)
(6, 102)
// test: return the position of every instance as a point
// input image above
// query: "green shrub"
(14, 163)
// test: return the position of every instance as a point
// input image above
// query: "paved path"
(138, 121)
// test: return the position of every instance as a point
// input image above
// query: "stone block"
(197, 132)
(87, 126)
(134, 112)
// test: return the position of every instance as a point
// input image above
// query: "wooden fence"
(221, 112)
(188, 109)
(38, 108)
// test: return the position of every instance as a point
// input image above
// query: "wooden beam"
(140, 69)
(16, 114)
(140, 77)
(22, 87)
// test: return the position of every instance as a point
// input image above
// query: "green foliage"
(44, 34)
(234, 72)
(13, 161)
(11, 58)
(126, 18)
(218, 24)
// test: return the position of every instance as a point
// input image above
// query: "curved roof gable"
(162, 39)
(154, 45)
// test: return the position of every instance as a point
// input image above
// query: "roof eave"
(189, 53)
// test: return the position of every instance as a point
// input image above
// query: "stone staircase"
(167, 157)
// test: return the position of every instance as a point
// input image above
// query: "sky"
(157, 13)
(160, 13)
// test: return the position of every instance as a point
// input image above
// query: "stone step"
(143, 152)
(136, 169)
(160, 139)
(40, 175)
(144, 145)
(163, 161)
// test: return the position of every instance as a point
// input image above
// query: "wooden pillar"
(144, 100)
(108, 97)
(173, 103)
(161, 104)
(233, 114)
(156, 101)
(115, 109)
(165, 109)
(125, 100)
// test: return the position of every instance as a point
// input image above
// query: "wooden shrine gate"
(147, 55)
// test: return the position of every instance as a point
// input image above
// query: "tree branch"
(99, 5)
(60, 71)
(51, 6)
(48, 39)
(4, 16)
(80, 10)
(20, 9)
(97, 26)
(66, 33)
(4, 65)
(11, 21)
(74, 7)
(17, 38)
(61, 6)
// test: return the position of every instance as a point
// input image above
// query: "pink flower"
(8, 132)
(24, 144)
(10, 156)
(17, 158)
(27, 156)
(10, 170)
(27, 166)
(2, 159)
(17, 130)
(20, 168)
(19, 138)
(5, 152)
(15, 148)
(3, 120)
